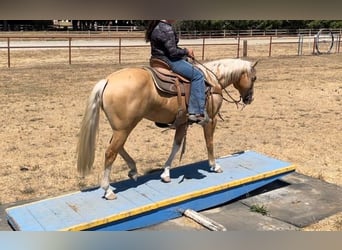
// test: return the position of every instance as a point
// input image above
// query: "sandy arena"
(296, 117)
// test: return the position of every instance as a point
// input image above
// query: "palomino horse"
(129, 95)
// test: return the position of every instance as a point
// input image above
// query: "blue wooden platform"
(150, 201)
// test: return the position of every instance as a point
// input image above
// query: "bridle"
(250, 90)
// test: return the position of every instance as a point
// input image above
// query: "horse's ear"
(255, 63)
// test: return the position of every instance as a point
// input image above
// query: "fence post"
(203, 48)
(300, 45)
(270, 48)
(119, 50)
(314, 45)
(244, 52)
(69, 50)
(339, 43)
(238, 48)
(8, 53)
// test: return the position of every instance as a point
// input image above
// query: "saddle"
(167, 81)
(173, 84)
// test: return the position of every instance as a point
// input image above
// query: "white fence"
(207, 47)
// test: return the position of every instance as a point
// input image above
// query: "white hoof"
(166, 179)
(219, 170)
(165, 176)
(109, 195)
(216, 168)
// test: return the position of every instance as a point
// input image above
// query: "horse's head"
(245, 85)
(240, 73)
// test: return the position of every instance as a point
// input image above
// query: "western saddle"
(173, 84)
(169, 82)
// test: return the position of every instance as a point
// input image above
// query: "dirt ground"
(296, 117)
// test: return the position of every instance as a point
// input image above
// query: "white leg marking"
(165, 176)
(216, 168)
(109, 194)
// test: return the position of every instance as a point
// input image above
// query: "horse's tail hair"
(89, 128)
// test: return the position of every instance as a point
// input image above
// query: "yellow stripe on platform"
(180, 198)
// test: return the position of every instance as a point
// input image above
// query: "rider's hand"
(191, 53)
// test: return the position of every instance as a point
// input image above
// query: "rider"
(164, 46)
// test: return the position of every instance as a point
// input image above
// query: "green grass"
(261, 209)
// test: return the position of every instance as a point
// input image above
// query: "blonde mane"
(228, 71)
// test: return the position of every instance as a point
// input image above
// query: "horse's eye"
(254, 78)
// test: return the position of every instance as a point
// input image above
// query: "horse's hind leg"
(116, 144)
(177, 142)
(133, 173)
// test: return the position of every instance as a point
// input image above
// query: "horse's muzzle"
(248, 99)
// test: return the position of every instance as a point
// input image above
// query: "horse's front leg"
(209, 130)
(177, 142)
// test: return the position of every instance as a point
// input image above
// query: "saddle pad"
(166, 83)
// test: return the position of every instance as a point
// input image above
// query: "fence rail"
(253, 32)
(12, 43)
(95, 27)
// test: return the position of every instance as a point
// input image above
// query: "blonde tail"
(89, 127)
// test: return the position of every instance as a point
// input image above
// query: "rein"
(236, 102)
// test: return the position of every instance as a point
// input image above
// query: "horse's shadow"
(198, 170)
(178, 175)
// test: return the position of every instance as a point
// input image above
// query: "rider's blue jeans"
(197, 92)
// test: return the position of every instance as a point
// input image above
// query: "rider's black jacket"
(164, 43)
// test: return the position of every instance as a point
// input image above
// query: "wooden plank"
(149, 201)
(22, 220)
(151, 217)
(43, 215)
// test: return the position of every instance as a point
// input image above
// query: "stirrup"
(200, 119)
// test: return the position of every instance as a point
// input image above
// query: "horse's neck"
(214, 77)
(225, 72)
